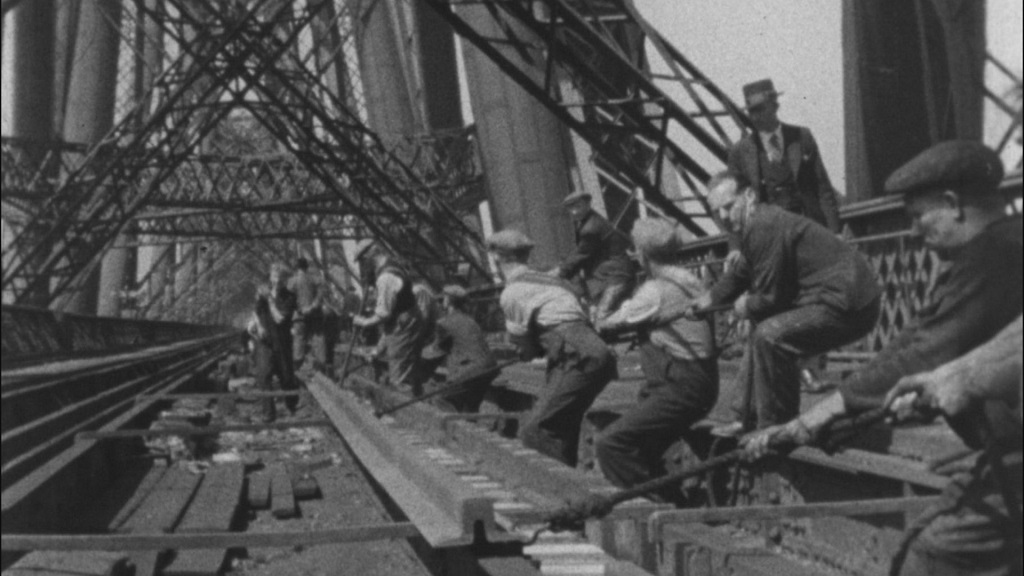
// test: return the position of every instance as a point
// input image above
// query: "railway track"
(468, 500)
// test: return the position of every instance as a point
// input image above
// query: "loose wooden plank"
(259, 491)
(145, 488)
(159, 514)
(77, 563)
(283, 506)
(213, 510)
(165, 505)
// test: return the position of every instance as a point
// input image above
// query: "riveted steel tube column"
(524, 148)
(88, 118)
(30, 39)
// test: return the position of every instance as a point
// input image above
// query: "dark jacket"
(973, 300)
(464, 344)
(601, 252)
(789, 261)
(814, 190)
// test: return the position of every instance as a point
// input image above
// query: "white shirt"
(774, 154)
(553, 305)
(666, 295)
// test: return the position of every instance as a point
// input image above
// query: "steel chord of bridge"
(612, 100)
(153, 176)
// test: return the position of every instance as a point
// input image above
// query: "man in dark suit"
(782, 161)
(601, 256)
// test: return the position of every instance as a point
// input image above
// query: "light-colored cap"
(509, 242)
(657, 239)
(576, 197)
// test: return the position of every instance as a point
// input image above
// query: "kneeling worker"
(678, 359)
(461, 342)
(544, 317)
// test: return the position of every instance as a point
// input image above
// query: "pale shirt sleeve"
(388, 287)
(517, 319)
(642, 307)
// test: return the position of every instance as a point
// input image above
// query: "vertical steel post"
(89, 115)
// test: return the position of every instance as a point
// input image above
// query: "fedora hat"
(759, 92)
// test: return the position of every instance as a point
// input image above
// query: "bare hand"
(361, 321)
(934, 390)
(698, 305)
(759, 444)
(742, 307)
(732, 260)
(263, 291)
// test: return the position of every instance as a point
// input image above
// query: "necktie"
(774, 148)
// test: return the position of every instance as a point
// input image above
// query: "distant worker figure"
(601, 256)
(782, 161)
(429, 305)
(309, 294)
(808, 292)
(461, 343)
(271, 332)
(678, 358)
(952, 196)
(544, 318)
(397, 315)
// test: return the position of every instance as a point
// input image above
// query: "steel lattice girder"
(64, 239)
(630, 130)
(62, 242)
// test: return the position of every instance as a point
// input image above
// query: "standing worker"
(397, 315)
(462, 344)
(601, 255)
(809, 292)
(271, 331)
(544, 318)
(309, 316)
(678, 359)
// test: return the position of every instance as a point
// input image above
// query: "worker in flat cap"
(951, 193)
(782, 161)
(805, 291)
(678, 358)
(396, 313)
(601, 257)
(460, 343)
(544, 317)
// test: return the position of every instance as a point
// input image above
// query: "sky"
(797, 43)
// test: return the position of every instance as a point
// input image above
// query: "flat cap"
(962, 165)
(657, 239)
(509, 241)
(455, 292)
(576, 197)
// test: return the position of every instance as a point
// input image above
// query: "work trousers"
(580, 365)
(270, 363)
(403, 343)
(475, 389)
(976, 536)
(304, 329)
(767, 390)
(677, 394)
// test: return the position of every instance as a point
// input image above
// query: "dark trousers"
(767, 390)
(469, 401)
(976, 536)
(677, 394)
(270, 363)
(304, 329)
(580, 365)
